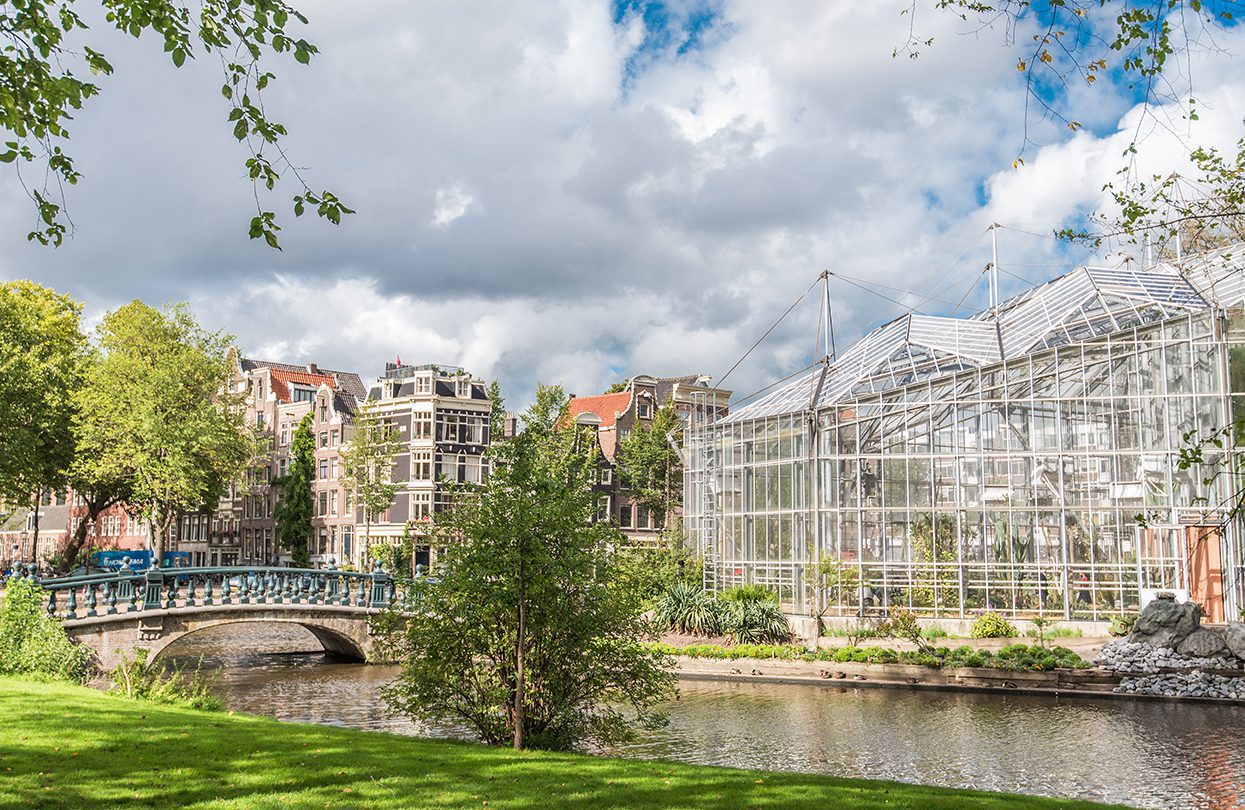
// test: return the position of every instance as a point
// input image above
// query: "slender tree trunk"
(34, 546)
(78, 540)
(520, 716)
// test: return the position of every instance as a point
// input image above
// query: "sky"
(576, 192)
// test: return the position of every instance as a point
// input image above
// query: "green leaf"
(179, 56)
(8, 157)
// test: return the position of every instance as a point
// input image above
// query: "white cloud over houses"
(547, 193)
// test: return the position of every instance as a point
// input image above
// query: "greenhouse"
(1026, 460)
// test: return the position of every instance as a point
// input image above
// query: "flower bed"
(1014, 657)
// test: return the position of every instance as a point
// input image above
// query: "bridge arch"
(333, 640)
(339, 630)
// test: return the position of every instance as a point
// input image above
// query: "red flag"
(399, 359)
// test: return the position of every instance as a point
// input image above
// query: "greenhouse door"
(1161, 560)
(1204, 546)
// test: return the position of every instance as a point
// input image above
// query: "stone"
(1203, 643)
(1234, 638)
(1165, 622)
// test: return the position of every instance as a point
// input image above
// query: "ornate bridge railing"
(126, 591)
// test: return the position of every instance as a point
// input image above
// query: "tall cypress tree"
(294, 511)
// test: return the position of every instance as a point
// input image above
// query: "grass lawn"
(73, 747)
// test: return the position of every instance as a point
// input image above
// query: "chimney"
(312, 368)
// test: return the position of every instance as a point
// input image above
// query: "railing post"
(226, 591)
(207, 589)
(71, 603)
(153, 582)
(380, 587)
(362, 599)
(129, 586)
(112, 598)
(190, 590)
(51, 602)
(90, 600)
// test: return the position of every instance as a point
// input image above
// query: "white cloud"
(527, 209)
(451, 204)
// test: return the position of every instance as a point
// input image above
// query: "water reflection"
(1139, 753)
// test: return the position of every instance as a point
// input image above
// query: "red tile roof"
(281, 378)
(606, 406)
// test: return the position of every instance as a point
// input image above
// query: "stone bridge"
(116, 613)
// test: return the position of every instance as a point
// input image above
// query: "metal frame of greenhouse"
(1024, 460)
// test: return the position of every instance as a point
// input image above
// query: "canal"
(1145, 754)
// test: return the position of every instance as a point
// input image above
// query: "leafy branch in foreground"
(40, 50)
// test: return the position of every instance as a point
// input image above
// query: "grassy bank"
(68, 746)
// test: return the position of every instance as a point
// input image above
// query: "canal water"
(1145, 754)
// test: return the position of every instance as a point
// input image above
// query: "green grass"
(73, 747)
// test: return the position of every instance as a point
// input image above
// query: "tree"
(649, 465)
(837, 580)
(367, 466)
(1080, 42)
(157, 418)
(525, 634)
(294, 511)
(44, 42)
(497, 415)
(42, 350)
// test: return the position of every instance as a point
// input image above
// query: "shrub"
(688, 608)
(748, 593)
(754, 620)
(138, 679)
(34, 643)
(992, 625)
(1122, 625)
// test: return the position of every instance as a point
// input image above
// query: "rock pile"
(1126, 656)
(1185, 684)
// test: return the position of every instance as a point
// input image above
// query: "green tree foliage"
(933, 539)
(42, 350)
(497, 413)
(836, 581)
(294, 510)
(525, 634)
(367, 466)
(34, 643)
(156, 413)
(45, 49)
(649, 466)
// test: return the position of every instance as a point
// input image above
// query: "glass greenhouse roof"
(1083, 304)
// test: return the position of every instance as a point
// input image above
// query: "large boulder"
(1165, 622)
(1234, 637)
(1203, 643)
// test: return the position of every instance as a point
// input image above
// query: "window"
(624, 516)
(421, 506)
(421, 465)
(464, 389)
(642, 517)
(607, 475)
(324, 438)
(285, 435)
(302, 394)
(333, 469)
(624, 434)
(422, 428)
(334, 438)
(324, 469)
(472, 473)
(423, 384)
(347, 541)
(477, 430)
(259, 421)
(333, 503)
(324, 412)
(281, 466)
(324, 504)
(324, 540)
(644, 410)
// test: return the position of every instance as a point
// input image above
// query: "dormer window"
(644, 410)
(464, 388)
(423, 384)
